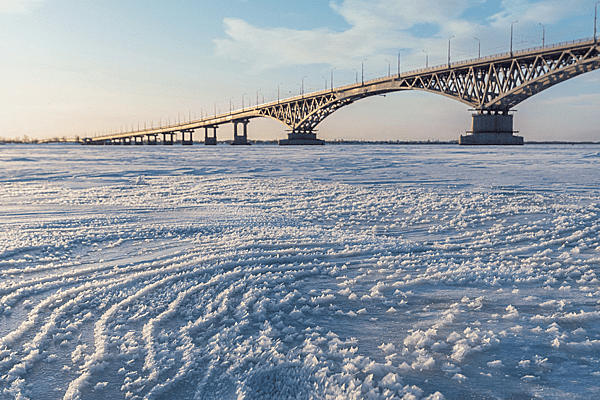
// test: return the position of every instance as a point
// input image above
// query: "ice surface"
(425, 272)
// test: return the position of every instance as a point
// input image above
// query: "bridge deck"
(356, 90)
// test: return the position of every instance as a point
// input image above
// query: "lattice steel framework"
(303, 115)
(491, 85)
(501, 84)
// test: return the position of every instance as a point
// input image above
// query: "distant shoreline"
(340, 142)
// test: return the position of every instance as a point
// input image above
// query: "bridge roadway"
(491, 86)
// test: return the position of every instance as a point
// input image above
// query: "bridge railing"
(500, 55)
(243, 112)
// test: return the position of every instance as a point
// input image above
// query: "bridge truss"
(492, 86)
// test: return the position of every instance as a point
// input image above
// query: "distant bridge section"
(491, 86)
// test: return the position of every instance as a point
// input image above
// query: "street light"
(426, 59)
(511, 36)
(230, 105)
(332, 78)
(279, 84)
(449, 50)
(243, 101)
(325, 82)
(363, 71)
(399, 51)
(543, 35)
(479, 51)
(356, 74)
(389, 67)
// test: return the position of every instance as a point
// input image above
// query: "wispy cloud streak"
(376, 26)
(19, 6)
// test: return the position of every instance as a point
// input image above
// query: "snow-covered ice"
(417, 272)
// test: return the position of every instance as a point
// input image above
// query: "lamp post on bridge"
(243, 101)
(479, 48)
(363, 71)
(389, 67)
(399, 51)
(332, 78)
(595, 18)
(230, 105)
(356, 74)
(302, 86)
(279, 84)
(512, 24)
(325, 82)
(449, 50)
(543, 35)
(426, 59)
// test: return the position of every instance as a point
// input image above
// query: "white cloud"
(379, 26)
(375, 25)
(580, 100)
(18, 6)
(548, 11)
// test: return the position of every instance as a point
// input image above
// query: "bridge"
(491, 86)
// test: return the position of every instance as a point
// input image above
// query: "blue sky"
(75, 67)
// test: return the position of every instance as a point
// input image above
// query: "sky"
(80, 68)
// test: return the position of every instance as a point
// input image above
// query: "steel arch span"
(492, 86)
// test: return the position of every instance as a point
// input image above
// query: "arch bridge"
(491, 86)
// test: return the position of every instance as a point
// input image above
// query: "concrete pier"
(300, 139)
(243, 138)
(210, 140)
(168, 141)
(190, 141)
(491, 129)
(152, 140)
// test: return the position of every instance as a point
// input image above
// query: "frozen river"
(267, 272)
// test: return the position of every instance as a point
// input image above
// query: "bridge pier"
(138, 142)
(210, 140)
(127, 141)
(152, 140)
(240, 139)
(491, 128)
(301, 138)
(165, 141)
(187, 142)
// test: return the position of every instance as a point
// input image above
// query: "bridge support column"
(208, 140)
(127, 141)
(301, 138)
(240, 139)
(491, 128)
(169, 141)
(138, 142)
(152, 140)
(191, 139)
